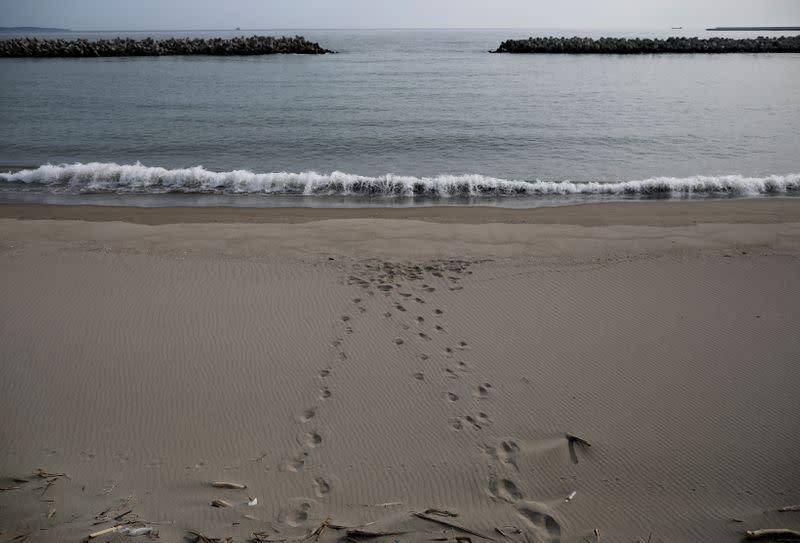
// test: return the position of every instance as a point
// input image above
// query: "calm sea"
(399, 117)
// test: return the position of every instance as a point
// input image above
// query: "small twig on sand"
(200, 538)
(440, 512)
(579, 440)
(451, 525)
(47, 486)
(221, 503)
(42, 474)
(513, 530)
(320, 529)
(103, 515)
(365, 534)
(118, 517)
(227, 484)
(773, 533)
(790, 509)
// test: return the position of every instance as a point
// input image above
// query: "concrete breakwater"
(126, 47)
(634, 46)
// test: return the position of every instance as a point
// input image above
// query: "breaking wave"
(96, 177)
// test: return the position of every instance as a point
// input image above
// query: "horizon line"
(228, 29)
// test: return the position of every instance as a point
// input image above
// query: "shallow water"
(414, 103)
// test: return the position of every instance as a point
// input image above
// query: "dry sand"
(361, 365)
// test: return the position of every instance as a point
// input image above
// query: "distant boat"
(677, 28)
(237, 28)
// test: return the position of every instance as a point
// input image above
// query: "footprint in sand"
(342, 356)
(439, 328)
(459, 423)
(482, 392)
(362, 309)
(345, 318)
(348, 330)
(404, 294)
(324, 373)
(419, 376)
(420, 320)
(356, 300)
(504, 489)
(385, 288)
(399, 341)
(312, 440)
(452, 397)
(399, 307)
(424, 336)
(324, 393)
(438, 311)
(430, 289)
(405, 326)
(308, 414)
(321, 487)
(507, 453)
(450, 374)
(296, 464)
(474, 421)
(299, 516)
(423, 356)
(387, 314)
(462, 366)
(419, 300)
(545, 524)
(336, 342)
(462, 344)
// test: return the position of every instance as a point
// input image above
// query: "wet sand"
(361, 365)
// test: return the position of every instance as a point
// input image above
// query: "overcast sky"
(223, 14)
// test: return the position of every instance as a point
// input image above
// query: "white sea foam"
(96, 177)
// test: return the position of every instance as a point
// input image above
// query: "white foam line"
(140, 179)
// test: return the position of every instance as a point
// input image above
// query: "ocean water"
(399, 117)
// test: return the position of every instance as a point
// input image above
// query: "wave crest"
(97, 177)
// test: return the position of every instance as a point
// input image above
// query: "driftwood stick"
(579, 440)
(789, 509)
(451, 525)
(106, 531)
(123, 514)
(773, 533)
(227, 484)
(440, 512)
(365, 534)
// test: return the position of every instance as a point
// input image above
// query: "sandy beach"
(409, 372)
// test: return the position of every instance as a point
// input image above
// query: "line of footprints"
(403, 287)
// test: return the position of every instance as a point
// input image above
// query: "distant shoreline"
(32, 29)
(754, 29)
